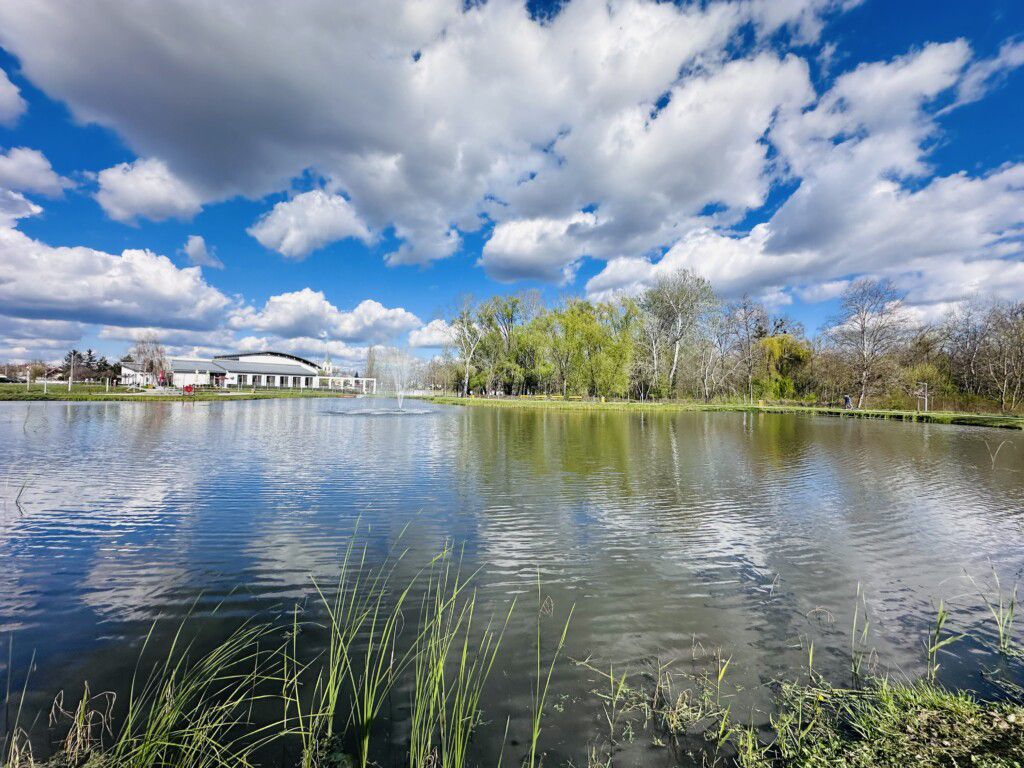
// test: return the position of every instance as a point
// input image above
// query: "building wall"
(137, 379)
(190, 379)
(245, 380)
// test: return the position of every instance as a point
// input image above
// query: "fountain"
(398, 369)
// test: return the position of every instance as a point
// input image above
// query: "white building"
(133, 376)
(247, 370)
(266, 369)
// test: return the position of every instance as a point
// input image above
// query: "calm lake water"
(668, 533)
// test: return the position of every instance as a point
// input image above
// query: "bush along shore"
(425, 640)
(678, 406)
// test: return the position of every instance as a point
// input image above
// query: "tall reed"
(1003, 608)
(542, 681)
(936, 641)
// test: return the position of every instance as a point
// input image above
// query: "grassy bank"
(190, 707)
(932, 417)
(93, 393)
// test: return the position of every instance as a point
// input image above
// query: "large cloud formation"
(867, 201)
(427, 115)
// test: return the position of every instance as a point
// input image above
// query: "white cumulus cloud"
(200, 254)
(309, 221)
(308, 313)
(146, 188)
(14, 206)
(27, 170)
(435, 334)
(85, 285)
(539, 249)
(12, 105)
(343, 355)
(637, 133)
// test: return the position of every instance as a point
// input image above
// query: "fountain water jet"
(398, 369)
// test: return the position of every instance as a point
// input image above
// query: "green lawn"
(98, 393)
(932, 417)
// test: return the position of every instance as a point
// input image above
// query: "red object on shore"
(188, 389)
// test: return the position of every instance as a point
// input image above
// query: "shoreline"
(62, 395)
(994, 421)
(933, 417)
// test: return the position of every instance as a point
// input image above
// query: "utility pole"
(71, 373)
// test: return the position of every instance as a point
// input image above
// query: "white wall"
(191, 379)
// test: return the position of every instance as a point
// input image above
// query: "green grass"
(932, 417)
(886, 725)
(97, 393)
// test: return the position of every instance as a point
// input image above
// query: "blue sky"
(344, 172)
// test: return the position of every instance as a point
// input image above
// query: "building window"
(257, 380)
(309, 381)
(241, 379)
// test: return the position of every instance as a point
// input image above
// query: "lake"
(668, 535)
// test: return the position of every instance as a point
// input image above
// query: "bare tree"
(150, 356)
(649, 340)
(716, 359)
(870, 325)
(749, 322)
(466, 334)
(963, 336)
(1003, 355)
(678, 300)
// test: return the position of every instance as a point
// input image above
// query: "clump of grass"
(887, 724)
(450, 662)
(193, 712)
(463, 712)
(344, 681)
(88, 723)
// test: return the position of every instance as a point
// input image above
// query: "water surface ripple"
(748, 532)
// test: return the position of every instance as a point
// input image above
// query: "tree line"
(680, 339)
